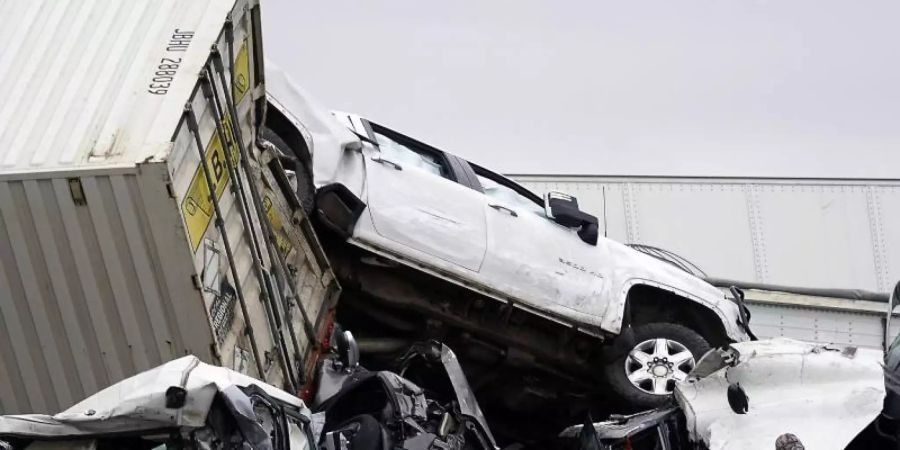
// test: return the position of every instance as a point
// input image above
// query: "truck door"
(532, 257)
(416, 204)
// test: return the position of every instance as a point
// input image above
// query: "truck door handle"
(386, 162)
(504, 209)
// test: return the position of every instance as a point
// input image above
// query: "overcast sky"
(768, 88)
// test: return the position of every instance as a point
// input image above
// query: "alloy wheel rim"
(654, 365)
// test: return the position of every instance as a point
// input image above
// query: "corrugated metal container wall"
(840, 321)
(90, 288)
(809, 233)
(92, 283)
(816, 324)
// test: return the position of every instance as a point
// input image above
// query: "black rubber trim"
(504, 181)
(467, 168)
(338, 208)
(464, 174)
(368, 127)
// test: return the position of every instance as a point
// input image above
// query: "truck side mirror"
(738, 399)
(590, 232)
(563, 209)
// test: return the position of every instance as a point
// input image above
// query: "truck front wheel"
(662, 353)
(305, 189)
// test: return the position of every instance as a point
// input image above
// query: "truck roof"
(98, 82)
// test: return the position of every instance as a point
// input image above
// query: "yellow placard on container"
(197, 207)
(282, 241)
(241, 73)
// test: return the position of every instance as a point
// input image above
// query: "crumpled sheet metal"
(824, 395)
(138, 403)
(624, 426)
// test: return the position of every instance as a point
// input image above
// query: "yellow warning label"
(241, 73)
(196, 207)
(282, 241)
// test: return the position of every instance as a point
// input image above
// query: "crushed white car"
(753, 395)
(187, 404)
(182, 404)
(824, 395)
(453, 250)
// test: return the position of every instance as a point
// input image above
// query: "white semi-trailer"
(141, 218)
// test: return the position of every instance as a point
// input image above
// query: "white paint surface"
(823, 395)
(77, 77)
(138, 403)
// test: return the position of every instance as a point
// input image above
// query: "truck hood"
(139, 403)
(639, 265)
(824, 395)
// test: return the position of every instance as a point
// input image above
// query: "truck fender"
(619, 316)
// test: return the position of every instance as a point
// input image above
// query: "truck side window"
(408, 156)
(496, 189)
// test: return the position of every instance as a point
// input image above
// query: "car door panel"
(539, 261)
(417, 208)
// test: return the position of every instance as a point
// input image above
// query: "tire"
(305, 190)
(673, 339)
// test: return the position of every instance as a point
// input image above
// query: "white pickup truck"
(451, 249)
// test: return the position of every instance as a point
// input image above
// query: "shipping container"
(140, 220)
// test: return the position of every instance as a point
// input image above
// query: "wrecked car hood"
(139, 403)
(822, 394)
